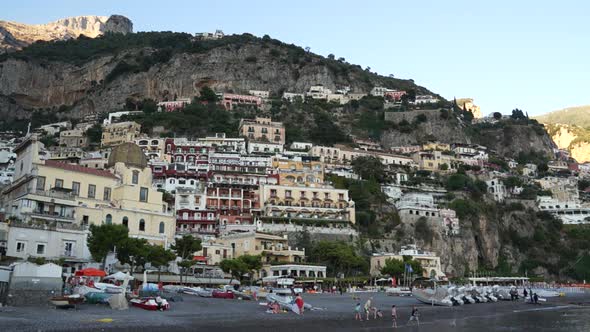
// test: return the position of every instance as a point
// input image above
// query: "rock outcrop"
(574, 139)
(15, 36)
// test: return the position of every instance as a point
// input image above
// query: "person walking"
(368, 307)
(299, 302)
(524, 294)
(414, 316)
(536, 298)
(357, 312)
(393, 316)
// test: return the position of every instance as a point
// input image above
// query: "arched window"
(141, 225)
(109, 219)
(161, 227)
(126, 222)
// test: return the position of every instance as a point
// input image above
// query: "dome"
(128, 153)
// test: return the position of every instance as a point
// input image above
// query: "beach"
(570, 313)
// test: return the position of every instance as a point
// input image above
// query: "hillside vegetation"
(578, 115)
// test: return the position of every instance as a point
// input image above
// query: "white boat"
(456, 297)
(205, 292)
(431, 296)
(398, 291)
(109, 288)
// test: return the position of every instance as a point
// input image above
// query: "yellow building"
(429, 261)
(119, 133)
(314, 204)
(301, 170)
(271, 248)
(55, 191)
(263, 129)
(434, 161)
(436, 146)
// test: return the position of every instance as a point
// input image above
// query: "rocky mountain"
(98, 75)
(15, 36)
(570, 130)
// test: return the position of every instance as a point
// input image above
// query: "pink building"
(229, 100)
(394, 95)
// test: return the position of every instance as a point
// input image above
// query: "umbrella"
(90, 272)
(119, 276)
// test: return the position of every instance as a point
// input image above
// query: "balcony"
(55, 216)
(197, 219)
(57, 193)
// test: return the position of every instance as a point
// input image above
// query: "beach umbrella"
(90, 272)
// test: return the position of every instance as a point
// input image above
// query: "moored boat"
(66, 301)
(150, 303)
(222, 294)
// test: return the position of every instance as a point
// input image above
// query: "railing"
(53, 194)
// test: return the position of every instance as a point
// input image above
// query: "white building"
(303, 146)
(53, 128)
(570, 212)
(417, 205)
(264, 147)
(115, 115)
(425, 99)
(64, 241)
(497, 189)
(298, 271)
(221, 142)
(429, 261)
(318, 92)
(260, 93)
(290, 96)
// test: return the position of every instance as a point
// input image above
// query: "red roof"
(79, 169)
(200, 258)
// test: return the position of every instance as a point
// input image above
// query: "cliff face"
(31, 83)
(573, 139)
(14, 36)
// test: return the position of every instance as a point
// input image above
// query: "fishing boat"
(242, 295)
(97, 297)
(70, 301)
(438, 296)
(150, 303)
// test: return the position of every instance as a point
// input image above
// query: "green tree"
(104, 238)
(339, 257)
(369, 168)
(133, 251)
(208, 95)
(393, 267)
(94, 134)
(149, 106)
(235, 267)
(185, 248)
(517, 114)
(159, 256)
(253, 264)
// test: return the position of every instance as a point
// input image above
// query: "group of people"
(370, 309)
(533, 296)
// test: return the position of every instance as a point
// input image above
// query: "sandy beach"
(337, 315)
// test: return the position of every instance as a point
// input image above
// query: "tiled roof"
(79, 169)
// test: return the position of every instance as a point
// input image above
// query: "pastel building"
(119, 133)
(262, 129)
(429, 261)
(230, 100)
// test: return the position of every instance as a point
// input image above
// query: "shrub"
(251, 59)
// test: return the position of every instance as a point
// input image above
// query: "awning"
(200, 258)
(90, 272)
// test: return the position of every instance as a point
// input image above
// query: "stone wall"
(28, 291)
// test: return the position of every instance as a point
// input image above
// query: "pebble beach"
(570, 313)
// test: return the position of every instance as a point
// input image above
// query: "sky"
(532, 55)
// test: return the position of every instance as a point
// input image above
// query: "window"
(68, 248)
(141, 225)
(109, 219)
(135, 177)
(59, 183)
(40, 249)
(143, 194)
(91, 191)
(107, 194)
(126, 222)
(20, 246)
(161, 227)
(85, 220)
(76, 188)
(40, 183)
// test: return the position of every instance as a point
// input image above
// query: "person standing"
(368, 307)
(524, 294)
(394, 316)
(299, 302)
(536, 298)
